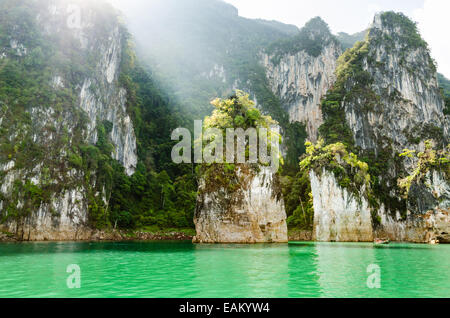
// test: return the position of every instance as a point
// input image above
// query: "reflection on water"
(257, 270)
(342, 271)
(181, 269)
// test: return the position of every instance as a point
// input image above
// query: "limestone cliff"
(339, 215)
(301, 76)
(72, 51)
(407, 105)
(252, 213)
(387, 99)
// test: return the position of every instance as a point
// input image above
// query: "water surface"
(182, 269)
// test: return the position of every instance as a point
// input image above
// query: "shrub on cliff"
(350, 172)
(236, 112)
(428, 160)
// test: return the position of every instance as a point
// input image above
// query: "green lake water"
(182, 269)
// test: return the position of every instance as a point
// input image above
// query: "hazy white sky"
(353, 16)
(349, 16)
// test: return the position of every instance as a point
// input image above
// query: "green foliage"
(429, 159)
(350, 63)
(352, 82)
(335, 127)
(298, 200)
(444, 83)
(294, 133)
(238, 111)
(447, 106)
(294, 141)
(409, 33)
(348, 41)
(350, 172)
(354, 86)
(160, 193)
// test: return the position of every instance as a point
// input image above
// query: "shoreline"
(170, 236)
(140, 235)
(113, 236)
(122, 236)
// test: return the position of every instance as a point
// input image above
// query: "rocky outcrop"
(300, 236)
(428, 216)
(408, 107)
(100, 94)
(253, 213)
(300, 79)
(391, 102)
(339, 215)
(64, 219)
(86, 43)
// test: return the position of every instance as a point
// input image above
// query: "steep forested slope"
(84, 130)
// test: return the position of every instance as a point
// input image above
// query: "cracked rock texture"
(339, 216)
(301, 79)
(254, 213)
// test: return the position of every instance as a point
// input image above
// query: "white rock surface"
(342, 217)
(254, 214)
(339, 215)
(301, 80)
(68, 223)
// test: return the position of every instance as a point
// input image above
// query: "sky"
(352, 16)
(349, 16)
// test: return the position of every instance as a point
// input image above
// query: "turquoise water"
(181, 269)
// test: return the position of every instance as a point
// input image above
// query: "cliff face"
(301, 77)
(75, 89)
(102, 98)
(428, 213)
(339, 215)
(408, 105)
(389, 98)
(301, 80)
(344, 217)
(253, 213)
(408, 110)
